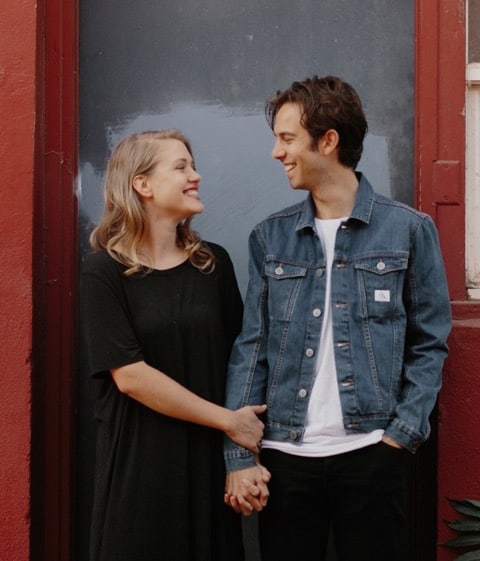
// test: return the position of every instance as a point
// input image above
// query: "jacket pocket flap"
(279, 271)
(382, 265)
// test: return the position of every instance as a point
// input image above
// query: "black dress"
(159, 481)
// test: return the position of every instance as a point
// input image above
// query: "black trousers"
(363, 496)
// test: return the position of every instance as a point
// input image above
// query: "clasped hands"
(246, 490)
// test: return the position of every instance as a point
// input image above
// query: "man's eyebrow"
(282, 134)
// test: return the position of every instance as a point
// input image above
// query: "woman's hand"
(162, 394)
(245, 428)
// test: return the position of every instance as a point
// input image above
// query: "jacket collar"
(362, 209)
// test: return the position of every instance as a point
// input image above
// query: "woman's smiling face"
(174, 182)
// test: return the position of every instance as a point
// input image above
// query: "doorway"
(207, 68)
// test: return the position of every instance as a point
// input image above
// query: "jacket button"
(279, 271)
(302, 393)
(293, 435)
(319, 273)
(317, 312)
(309, 353)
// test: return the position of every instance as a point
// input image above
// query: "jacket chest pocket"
(380, 283)
(284, 284)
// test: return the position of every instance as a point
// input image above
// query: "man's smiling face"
(304, 165)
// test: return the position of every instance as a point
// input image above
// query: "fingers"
(247, 428)
(237, 501)
(245, 490)
(248, 504)
(230, 500)
(258, 494)
(259, 409)
(255, 448)
(251, 487)
(390, 442)
(266, 475)
(244, 504)
(239, 504)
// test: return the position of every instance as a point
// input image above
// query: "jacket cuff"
(404, 435)
(239, 458)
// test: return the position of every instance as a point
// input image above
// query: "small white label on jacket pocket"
(382, 295)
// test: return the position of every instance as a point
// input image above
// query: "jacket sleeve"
(248, 368)
(427, 303)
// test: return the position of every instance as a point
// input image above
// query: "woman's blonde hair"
(123, 224)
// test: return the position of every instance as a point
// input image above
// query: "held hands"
(246, 490)
(245, 428)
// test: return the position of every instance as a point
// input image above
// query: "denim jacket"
(390, 312)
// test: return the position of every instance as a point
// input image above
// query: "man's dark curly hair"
(326, 103)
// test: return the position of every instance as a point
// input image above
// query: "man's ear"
(329, 142)
(141, 186)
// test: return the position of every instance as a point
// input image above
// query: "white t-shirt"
(324, 431)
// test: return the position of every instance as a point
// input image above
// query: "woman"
(161, 310)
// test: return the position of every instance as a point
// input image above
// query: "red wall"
(17, 131)
(459, 419)
(440, 186)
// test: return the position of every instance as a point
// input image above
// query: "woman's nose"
(195, 176)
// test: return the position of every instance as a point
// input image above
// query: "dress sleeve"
(104, 316)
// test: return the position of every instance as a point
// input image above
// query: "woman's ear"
(141, 186)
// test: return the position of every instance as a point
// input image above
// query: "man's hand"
(390, 442)
(246, 490)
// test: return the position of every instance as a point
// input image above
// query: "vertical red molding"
(55, 251)
(440, 128)
(440, 191)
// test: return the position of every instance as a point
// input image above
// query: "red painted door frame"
(55, 279)
(440, 128)
(439, 190)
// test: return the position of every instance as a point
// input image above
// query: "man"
(344, 337)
